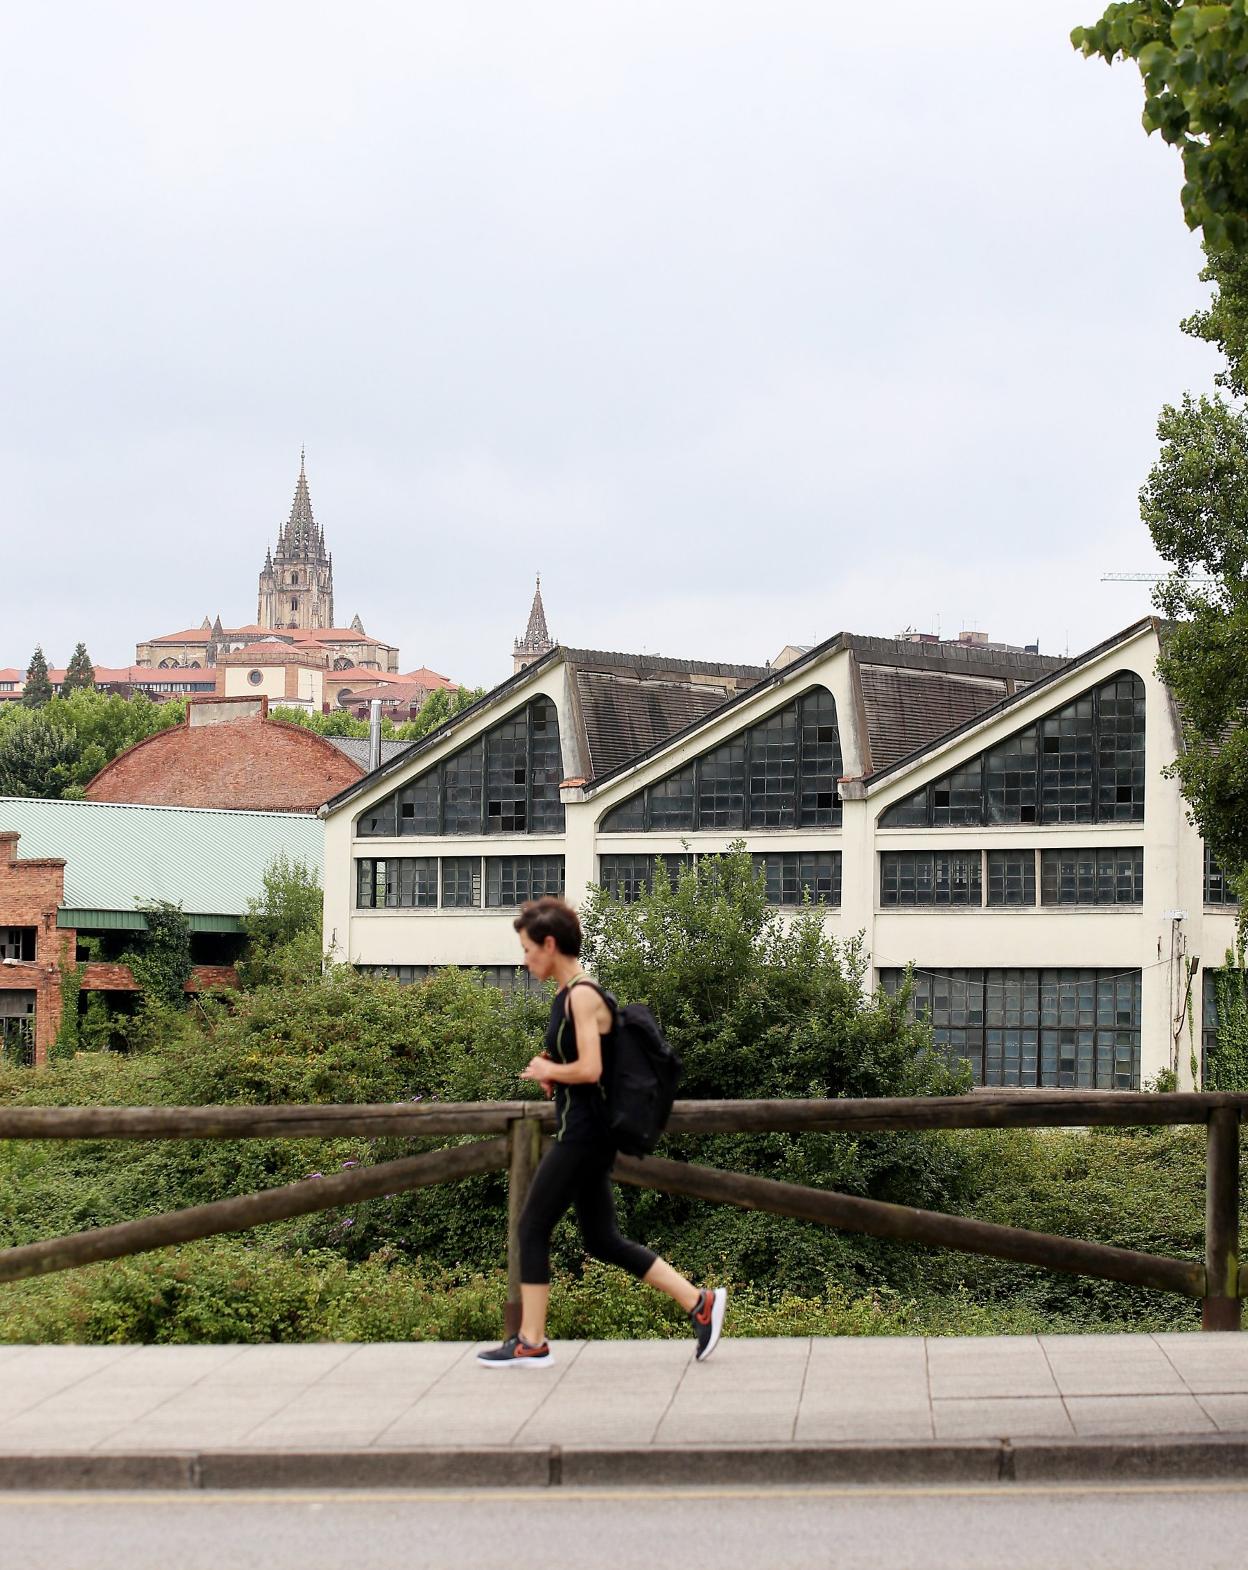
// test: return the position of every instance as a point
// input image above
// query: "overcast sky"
(742, 323)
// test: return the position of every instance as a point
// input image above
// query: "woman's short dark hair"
(550, 917)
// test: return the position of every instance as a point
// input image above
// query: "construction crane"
(1145, 577)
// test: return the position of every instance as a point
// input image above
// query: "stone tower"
(536, 641)
(297, 581)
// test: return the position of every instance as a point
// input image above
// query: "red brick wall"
(30, 891)
(256, 764)
(106, 976)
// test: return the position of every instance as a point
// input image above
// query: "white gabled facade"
(1132, 958)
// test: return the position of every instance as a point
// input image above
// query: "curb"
(571, 1466)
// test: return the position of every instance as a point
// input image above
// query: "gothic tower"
(536, 641)
(297, 581)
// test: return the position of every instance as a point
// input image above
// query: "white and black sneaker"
(707, 1318)
(516, 1352)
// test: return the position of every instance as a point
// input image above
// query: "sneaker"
(707, 1318)
(515, 1353)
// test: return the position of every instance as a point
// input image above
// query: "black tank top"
(580, 1110)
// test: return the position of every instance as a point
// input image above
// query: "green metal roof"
(208, 861)
(136, 921)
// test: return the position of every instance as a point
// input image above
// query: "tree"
(289, 903)
(79, 673)
(1194, 62)
(1195, 504)
(757, 1003)
(441, 705)
(37, 756)
(38, 688)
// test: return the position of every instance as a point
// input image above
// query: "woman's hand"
(539, 1069)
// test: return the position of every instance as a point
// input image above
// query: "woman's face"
(539, 958)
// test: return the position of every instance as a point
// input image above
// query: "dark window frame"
(1029, 788)
(789, 874)
(1092, 876)
(717, 781)
(1216, 890)
(462, 785)
(1043, 1028)
(912, 879)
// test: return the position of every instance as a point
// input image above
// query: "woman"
(576, 1169)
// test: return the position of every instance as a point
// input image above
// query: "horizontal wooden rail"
(1220, 1280)
(252, 1210)
(877, 1219)
(983, 1109)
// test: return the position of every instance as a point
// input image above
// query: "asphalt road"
(1201, 1526)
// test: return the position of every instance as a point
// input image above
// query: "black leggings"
(577, 1175)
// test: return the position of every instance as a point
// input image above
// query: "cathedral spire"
(301, 528)
(297, 580)
(537, 640)
(536, 631)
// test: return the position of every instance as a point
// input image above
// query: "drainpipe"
(374, 735)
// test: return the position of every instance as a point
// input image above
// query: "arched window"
(294, 577)
(779, 774)
(1083, 763)
(505, 782)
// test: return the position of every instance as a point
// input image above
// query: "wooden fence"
(508, 1134)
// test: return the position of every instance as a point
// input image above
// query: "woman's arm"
(586, 1009)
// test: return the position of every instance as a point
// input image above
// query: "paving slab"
(1106, 1416)
(819, 1409)
(1111, 1365)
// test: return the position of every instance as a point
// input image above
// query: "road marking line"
(574, 1494)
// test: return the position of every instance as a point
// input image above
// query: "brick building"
(74, 874)
(229, 753)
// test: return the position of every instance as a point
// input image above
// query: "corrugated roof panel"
(907, 709)
(625, 717)
(208, 861)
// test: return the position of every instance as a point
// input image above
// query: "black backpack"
(640, 1076)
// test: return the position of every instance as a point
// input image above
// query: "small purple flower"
(315, 1174)
(350, 1163)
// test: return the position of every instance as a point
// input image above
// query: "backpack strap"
(601, 991)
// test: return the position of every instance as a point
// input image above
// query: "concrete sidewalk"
(624, 1412)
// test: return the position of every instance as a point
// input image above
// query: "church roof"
(424, 677)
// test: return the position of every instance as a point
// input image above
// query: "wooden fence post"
(524, 1141)
(1221, 1308)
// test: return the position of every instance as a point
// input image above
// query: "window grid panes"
(927, 877)
(780, 773)
(511, 880)
(1060, 1029)
(397, 882)
(773, 772)
(506, 782)
(507, 778)
(1084, 763)
(505, 977)
(624, 877)
(793, 877)
(1101, 876)
(1011, 877)
(721, 787)
(1010, 780)
(461, 882)
(1217, 890)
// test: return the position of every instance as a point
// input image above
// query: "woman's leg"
(551, 1192)
(662, 1276)
(595, 1212)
